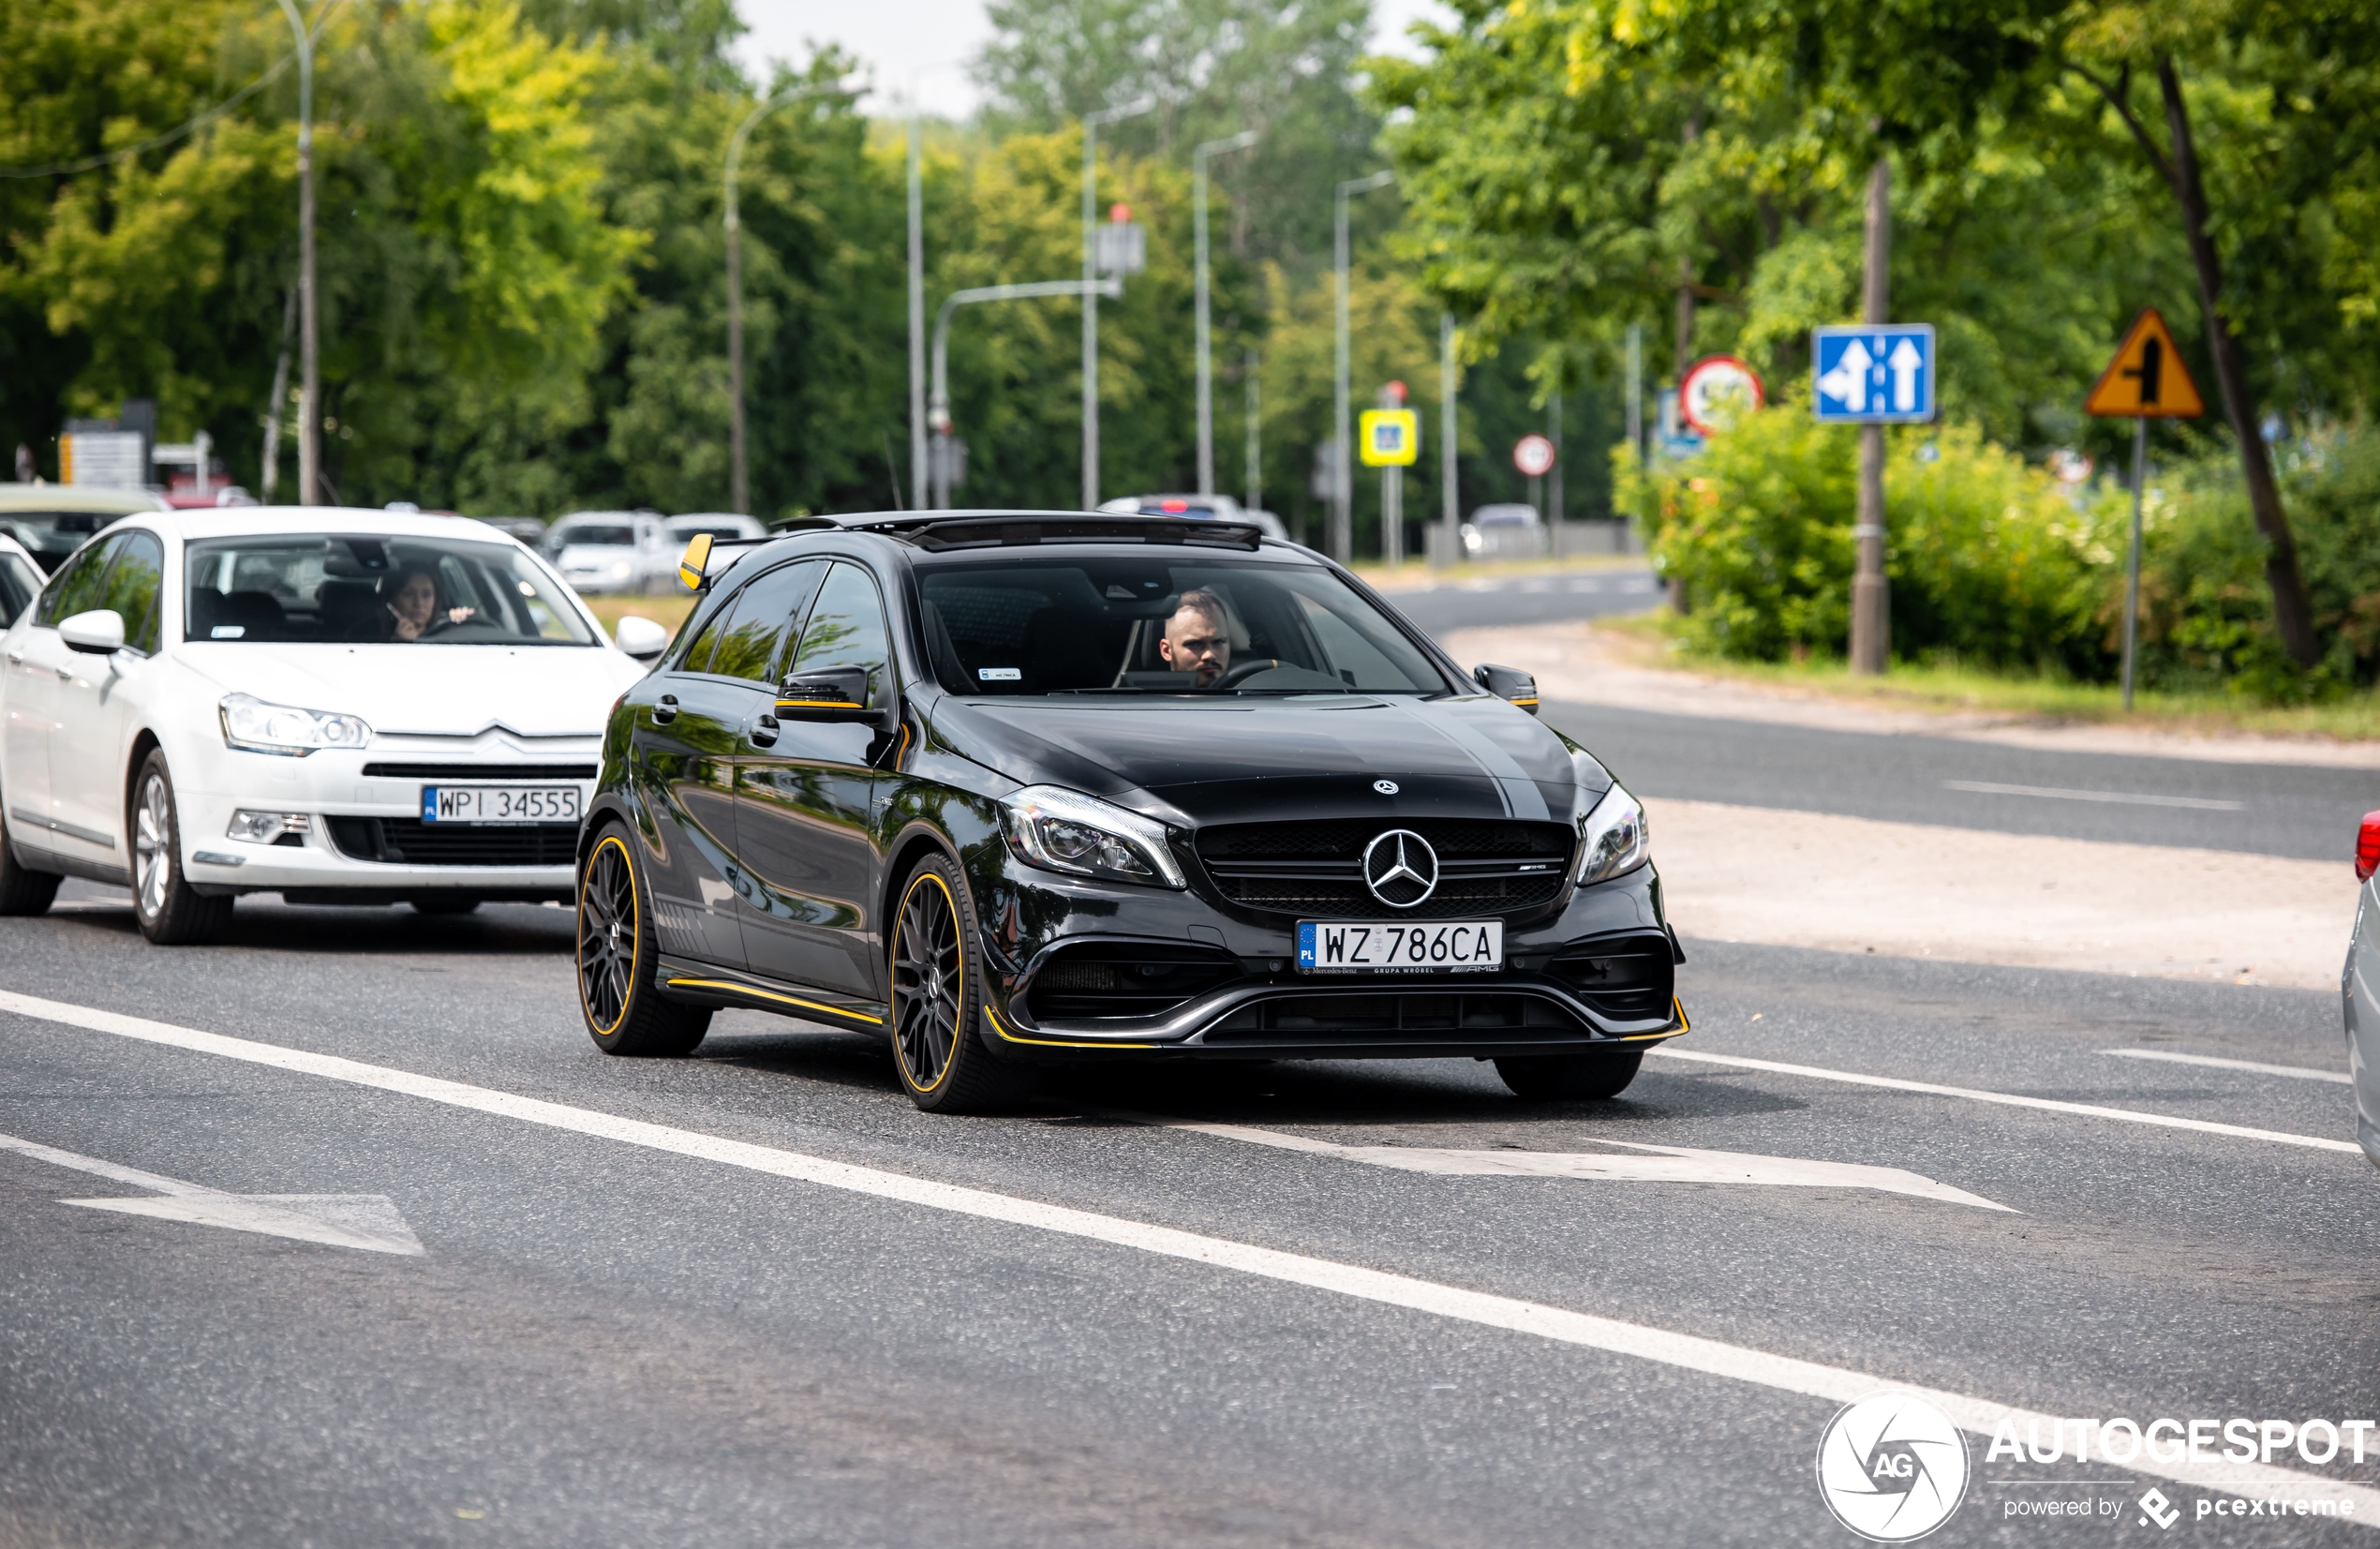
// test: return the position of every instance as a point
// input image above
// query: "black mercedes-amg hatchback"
(1016, 789)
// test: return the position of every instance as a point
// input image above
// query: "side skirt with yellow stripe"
(707, 984)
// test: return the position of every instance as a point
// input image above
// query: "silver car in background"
(600, 551)
(2359, 990)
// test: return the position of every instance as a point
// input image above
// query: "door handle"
(16, 659)
(66, 673)
(763, 731)
(666, 711)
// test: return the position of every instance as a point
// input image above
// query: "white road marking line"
(1684, 1351)
(1663, 1164)
(2006, 1099)
(2303, 1073)
(1986, 787)
(369, 1222)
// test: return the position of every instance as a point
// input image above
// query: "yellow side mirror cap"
(696, 559)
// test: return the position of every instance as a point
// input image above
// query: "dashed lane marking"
(1683, 1351)
(2303, 1073)
(2010, 1099)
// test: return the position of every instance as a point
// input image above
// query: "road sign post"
(2144, 382)
(1390, 439)
(1872, 374)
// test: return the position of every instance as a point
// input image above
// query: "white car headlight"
(620, 569)
(1617, 839)
(254, 726)
(1063, 830)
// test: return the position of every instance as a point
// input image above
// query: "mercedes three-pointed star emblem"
(1400, 868)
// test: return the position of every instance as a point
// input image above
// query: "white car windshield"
(595, 537)
(1124, 626)
(353, 589)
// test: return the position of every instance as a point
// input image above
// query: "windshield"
(1139, 624)
(596, 537)
(354, 589)
(51, 536)
(19, 583)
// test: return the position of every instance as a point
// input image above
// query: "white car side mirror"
(641, 638)
(99, 632)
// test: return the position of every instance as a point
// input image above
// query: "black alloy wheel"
(937, 1000)
(1571, 1078)
(625, 1014)
(170, 913)
(24, 891)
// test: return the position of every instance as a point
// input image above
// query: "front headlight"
(1618, 839)
(1063, 830)
(254, 726)
(620, 569)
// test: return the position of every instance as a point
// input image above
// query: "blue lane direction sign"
(1875, 374)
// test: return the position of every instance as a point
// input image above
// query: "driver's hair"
(1199, 600)
(394, 581)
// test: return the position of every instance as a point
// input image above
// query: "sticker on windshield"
(1000, 674)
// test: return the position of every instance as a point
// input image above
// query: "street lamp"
(917, 470)
(311, 368)
(1240, 142)
(938, 414)
(1090, 291)
(739, 478)
(1342, 539)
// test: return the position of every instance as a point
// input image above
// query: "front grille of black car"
(1486, 867)
(1627, 978)
(479, 771)
(1406, 1016)
(411, 841)
(1124, 980)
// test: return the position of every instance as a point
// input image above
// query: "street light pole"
(1450, 509)
(939, 413)
(1091, 122)
(309, 336)
(739, 477)
(1342, 539)
(917, 453)
(1240, 142)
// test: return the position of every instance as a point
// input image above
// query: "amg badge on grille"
(1400, 868)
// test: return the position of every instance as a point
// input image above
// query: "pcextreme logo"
(1892, 1468)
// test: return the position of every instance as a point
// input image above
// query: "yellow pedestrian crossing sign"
(2146, 380)
(1390, 437)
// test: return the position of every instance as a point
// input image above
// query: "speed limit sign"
(1533, 455)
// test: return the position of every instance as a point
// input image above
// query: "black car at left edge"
(1013, 789)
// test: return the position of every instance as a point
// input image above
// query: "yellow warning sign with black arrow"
(2146, 380)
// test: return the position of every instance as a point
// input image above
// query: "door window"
(135, 577)
(76, 589)
(751, 635)
(847, 628)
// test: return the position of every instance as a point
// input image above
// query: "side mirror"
(825, 694)
(99, 632)
(641, 638)
(694, 561)
(1507, 683)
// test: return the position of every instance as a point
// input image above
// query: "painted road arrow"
(368, 1222)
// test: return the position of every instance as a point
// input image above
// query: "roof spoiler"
(987, 529)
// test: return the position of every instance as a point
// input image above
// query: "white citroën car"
(335, 706)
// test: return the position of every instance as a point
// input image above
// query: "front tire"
(24, 891)
(170, 911)
(937, 1000)
(1571, 1078)
(616, 955)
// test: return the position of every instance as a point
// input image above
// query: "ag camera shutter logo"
(1892, 1468)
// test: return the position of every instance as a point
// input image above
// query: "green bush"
(1990, 562)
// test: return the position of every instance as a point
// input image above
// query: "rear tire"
(24, 891)
(433, 904)
(937, 1008)
(617, 956)
(170, 911)
(1569, 1078)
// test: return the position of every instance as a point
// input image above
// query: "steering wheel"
(1240, 671)
(443, 622)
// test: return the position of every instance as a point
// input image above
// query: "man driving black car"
(1197, 637)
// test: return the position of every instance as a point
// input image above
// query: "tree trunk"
(2292, 616)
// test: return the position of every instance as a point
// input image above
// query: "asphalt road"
(676, 1336)
(1549, 598)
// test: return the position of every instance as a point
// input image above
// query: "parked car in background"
(723, 525)
(1218, 508)
(52, 521)
(600, 551)
(21, 576)
(529, 529)
(1504, 533)
(352, 706)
